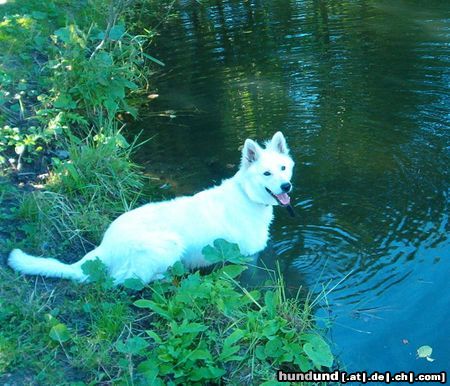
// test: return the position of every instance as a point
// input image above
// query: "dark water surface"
(361, 90)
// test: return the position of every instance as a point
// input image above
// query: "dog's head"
(267, 172)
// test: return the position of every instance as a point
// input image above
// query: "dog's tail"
(31, 265)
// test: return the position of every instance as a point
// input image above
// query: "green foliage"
(51, 219)
(207, 329)
(98, 81)
(98, 166)
(185, 329)
(222, 252)
(97, 273)
(318, 351)
(132, 346)
(55, 334)
(20, 141)
(65, 70)
(134, 284)
(59, 333)
(86, 192)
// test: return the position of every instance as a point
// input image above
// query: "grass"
(186, 329)
(83, 194)
(29, 313)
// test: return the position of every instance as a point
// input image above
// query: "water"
(361, 90)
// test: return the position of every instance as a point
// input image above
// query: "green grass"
(83, 195)
(29, 312)
(186, 329)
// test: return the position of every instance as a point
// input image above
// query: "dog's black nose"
(286, 187)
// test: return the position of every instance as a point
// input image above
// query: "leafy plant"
(207, 328)
(25, 144)
(86, 69)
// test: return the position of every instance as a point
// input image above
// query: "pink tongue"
(284, 198)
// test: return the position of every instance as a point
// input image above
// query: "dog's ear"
(250, 152)
(278, 143)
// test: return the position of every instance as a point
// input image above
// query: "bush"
(66, 74)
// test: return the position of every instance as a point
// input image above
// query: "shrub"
(65, 74)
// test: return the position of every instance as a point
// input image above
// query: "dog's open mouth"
(282, 198)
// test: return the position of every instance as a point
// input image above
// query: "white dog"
(144, 242)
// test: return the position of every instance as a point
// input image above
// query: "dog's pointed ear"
(278, 143)
(250, 152)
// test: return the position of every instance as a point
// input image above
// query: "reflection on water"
(361, 89)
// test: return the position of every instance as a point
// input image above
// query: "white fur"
(144, 242)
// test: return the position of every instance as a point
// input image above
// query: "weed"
(64, 75)
(208, 328)
(100, 165)
(85, 194)
(186, 329)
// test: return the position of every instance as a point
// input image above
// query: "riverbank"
(67, 78)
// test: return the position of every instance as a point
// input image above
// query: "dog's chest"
(248, 229)
(252, 234)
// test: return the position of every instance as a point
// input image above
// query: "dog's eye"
(267, 173)
(283, 168)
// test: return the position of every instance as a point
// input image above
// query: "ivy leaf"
(233, 270)
(223, 251)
